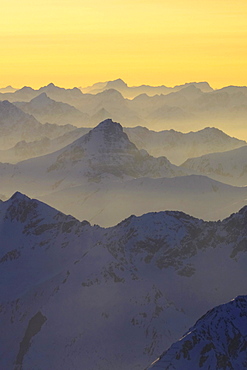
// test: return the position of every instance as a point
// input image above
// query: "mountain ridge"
(115, 282)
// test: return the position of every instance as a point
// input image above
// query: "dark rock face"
(34, 326)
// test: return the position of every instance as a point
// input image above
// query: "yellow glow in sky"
(79, 42)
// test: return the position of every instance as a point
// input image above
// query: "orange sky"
(79, 42)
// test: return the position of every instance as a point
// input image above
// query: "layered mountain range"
(114, 298)
(45, 109)
(105, 152)
(133, 91)
(229, 167)
(15, 126)
(103, 177)
(174, 145)
(178, 146)
(122, 294)
(193, 104)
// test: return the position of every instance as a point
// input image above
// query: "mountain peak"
(107, 150)
(49, 87)
(116, 84)
(111, 93)
(18, 196)
(109, 124)
(108, 135)
(7, 109)
(41, 100)
(26, 88)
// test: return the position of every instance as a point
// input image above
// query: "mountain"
(217, 341)
(178, 146)
(133, 91)
(229, 167)
(15, 125)
(157, 108)
(105, 153)
(103, 177)
(93, 298)
(7, 89)
(174, 145)
(109, 104)
(234, 89)
(60, 94)
(203, 86)
(45, 110)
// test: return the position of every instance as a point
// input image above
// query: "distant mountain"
(133, 288)
(216, 341)
(54, 92)
(108, 104)
(178, 146)
(229, 167)
(101, 115)
(133, 91)
(25, 150)
(220, 108)
(195, 104)
(45, 110)
(7, 89)
(15, 125)
(234, 89)
(60, 94)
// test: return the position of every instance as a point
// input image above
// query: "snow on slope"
(174, 145)
(93, 298)
(229, 167)
(104, 153)
(217, 341)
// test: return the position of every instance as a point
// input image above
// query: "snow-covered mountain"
(15, 125)
(104, 153)
(178, 146)
(229, 167)
(44, 109)
(174, 145)
(217, 341)
(104, 178)
(93, 298)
